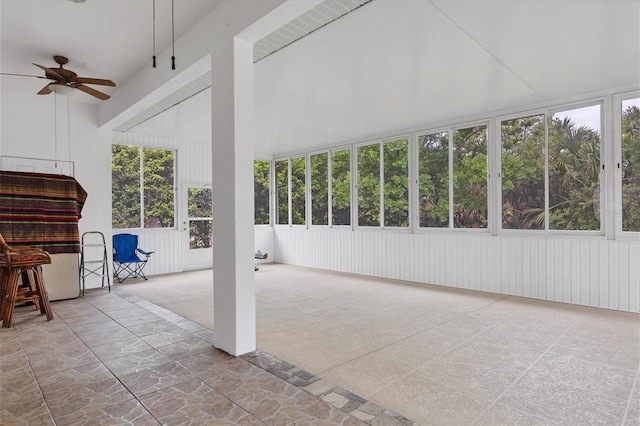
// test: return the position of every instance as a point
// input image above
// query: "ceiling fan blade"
(45, 90)
(23, 75)
(93, 92)
(50, 73)
(98, 81)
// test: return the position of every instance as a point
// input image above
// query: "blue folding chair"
(125, 257)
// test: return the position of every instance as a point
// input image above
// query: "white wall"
(193, 167)
(30, 124)
(591, 272)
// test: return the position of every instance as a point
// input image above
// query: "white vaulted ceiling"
(389, 65)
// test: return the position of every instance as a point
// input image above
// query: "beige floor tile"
(595, 377)
(505, 415)
(469, 375)
(562, 403)
(33, 412)
(133, 362)
(430, 403)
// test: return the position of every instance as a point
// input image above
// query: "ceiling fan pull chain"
(154, 33)
(173, 41)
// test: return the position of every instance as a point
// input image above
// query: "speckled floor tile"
(596, 377)
(562, 403)
(505, 415)
(158, 326)
(164, 338)
(428, 402)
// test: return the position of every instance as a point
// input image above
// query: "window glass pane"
(158, 188)
(125, 186)
(282, 188)
(523, 171)
(320, 189)
(574, 169)
(470, 177)
(631, 165)
(369, 185)
(341, 187)
(433, 180)
(396, 183)
(200, 202)
(298, 191)
(199, 207)
(261, 192)
(200, 234)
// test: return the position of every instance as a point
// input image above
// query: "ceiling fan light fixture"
(61, 89)
(77, 1)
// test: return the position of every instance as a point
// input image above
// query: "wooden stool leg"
(9, 296)
(4, 276)
(45, 307)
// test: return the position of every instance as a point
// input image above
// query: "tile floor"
(352, 346)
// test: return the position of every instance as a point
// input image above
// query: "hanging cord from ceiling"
(154, 33)
(68, 131)
(173, 41)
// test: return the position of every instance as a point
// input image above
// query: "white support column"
(233, 132)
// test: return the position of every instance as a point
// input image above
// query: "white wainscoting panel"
(581, 271)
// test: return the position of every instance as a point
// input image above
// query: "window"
(630, 167)
(574, 169)
(298, 191)
(282, 192)
(523, 173)
(261, 172)
(369, 185)
(571, 170)
(291, 191)
(433, 180)
(341, 187)
(142, 187)
(396, 183)
(320, 189)
(200, 211)
(383, 184)
(470, 202)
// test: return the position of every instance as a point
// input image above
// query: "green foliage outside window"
(157, 186)
(396, 183)
(261, 171)
(200, 211)
(341, 187)
(523, 166)
(470, 177)
(298, 191)
(631, 165)
(433, 180)
(125, 186)
(159, 193)
(369, 185)
(320, 189)
(282, 192)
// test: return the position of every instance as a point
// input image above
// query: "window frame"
(142, 228)
(547, 113)
(289, 223)
(271, 179)
(310, 190)
(616, 215)
(355, 205)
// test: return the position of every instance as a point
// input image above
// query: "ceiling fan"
(64, 77)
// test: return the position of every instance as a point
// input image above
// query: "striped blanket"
(41, 210)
